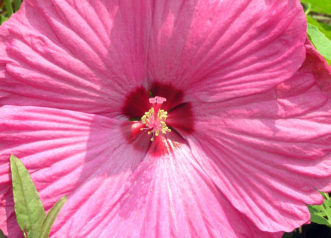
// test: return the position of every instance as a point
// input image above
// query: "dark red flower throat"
(158, 119)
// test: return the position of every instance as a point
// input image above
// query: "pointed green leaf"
(321, 42)
(324, 28)
(51, 216)
(325, 195)
(316, 209)
(327, 207)
(29, 210)
(328, 203)
(2, 235)
(319, 220)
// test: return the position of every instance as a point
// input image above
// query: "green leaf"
(9, 7)
(322, 6)
(2, 235)
(3, 19)
(324, 28)
(316, 209)
(51, 216)
(321, 42)
(327, 208)
(319, 220)
(29, 210)
(321, 214)
(17, 4)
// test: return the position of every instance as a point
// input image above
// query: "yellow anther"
(156, 123)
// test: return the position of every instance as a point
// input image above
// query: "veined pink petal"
(122, 43)
(316, 63)
(216, 50)
(83, 58)
(271, 157)
(234, 168)
(84, 157)
(168, 196)
(63, 150)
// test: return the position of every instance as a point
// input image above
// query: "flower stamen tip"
(154, 119)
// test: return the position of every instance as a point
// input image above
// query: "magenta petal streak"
(250, 116)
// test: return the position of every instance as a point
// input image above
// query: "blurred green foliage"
(318, 14)
(319, 6)
(7, 8)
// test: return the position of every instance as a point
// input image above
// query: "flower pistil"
(154, 119)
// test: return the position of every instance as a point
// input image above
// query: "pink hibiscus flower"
(164, 118)
(317, 64)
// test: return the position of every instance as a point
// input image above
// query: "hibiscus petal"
(317, 64)
(62, 150)
(216, 50)
(270, 157)
(166, 196)
(74, 55)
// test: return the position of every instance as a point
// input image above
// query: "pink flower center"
(150, 119)
(155, 118)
